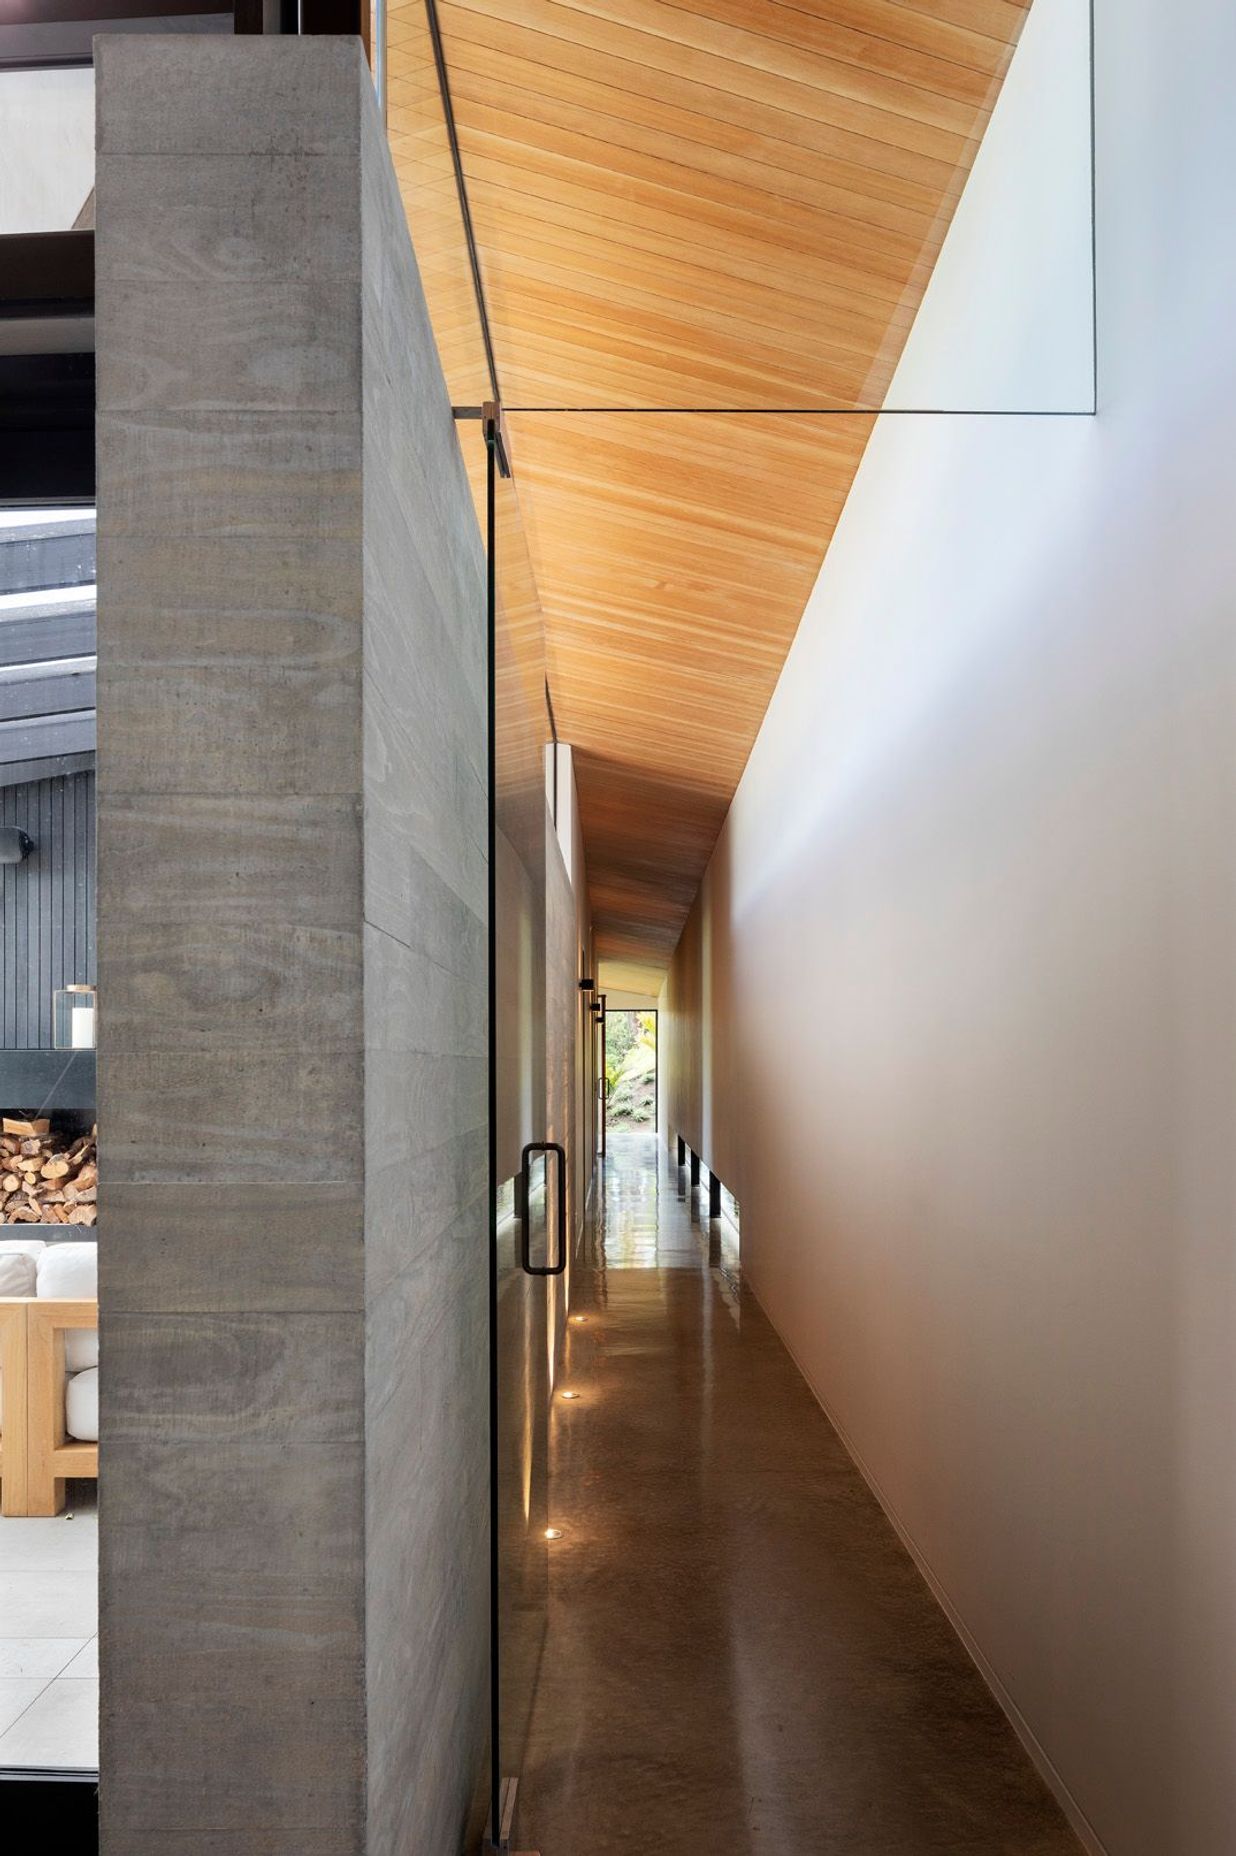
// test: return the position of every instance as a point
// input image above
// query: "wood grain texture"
(723, 203)
(13, 1420)
(233, 1247)
(52, 1456)
(233, 1645)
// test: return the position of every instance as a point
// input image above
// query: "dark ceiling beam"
(44, 34)
(46, 274)
(350, 17)
(69, 12)
(46, 429)
(38, 34)
(46, 373)
(347, 16)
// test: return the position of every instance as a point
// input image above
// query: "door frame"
(603, 1090)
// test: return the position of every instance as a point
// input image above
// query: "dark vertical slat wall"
(47, 912)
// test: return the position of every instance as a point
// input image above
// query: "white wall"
(1010, 324)
(968, 946)
(46, 148)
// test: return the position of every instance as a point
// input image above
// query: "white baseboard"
(1087, 1835)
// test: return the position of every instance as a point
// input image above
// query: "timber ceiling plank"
(706, 204)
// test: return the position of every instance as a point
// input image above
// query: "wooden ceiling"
(728, 204)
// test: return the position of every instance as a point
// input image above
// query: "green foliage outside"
(631, 1070)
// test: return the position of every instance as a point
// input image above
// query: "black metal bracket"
(496, 436)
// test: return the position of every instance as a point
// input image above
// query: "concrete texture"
(426, 1045)
(292, 976)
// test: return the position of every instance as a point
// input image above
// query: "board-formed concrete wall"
(426, 1058)
(292, 979)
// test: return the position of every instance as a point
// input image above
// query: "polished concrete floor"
(741, 1657)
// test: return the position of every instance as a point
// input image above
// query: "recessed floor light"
(570, 1395)
(579, 1320)
(553, 1533)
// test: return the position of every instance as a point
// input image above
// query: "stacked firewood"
(44, 1177)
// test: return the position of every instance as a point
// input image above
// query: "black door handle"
(525, 1236)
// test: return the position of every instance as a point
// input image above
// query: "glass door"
(527, 1170)
(630, 1071)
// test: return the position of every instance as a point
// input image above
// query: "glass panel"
(48, 1151)
(420, 147)
(630, 1071)
(376, 24)
(521, 1332)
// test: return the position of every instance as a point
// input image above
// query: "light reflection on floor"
(741, 1656)
(648, 1216)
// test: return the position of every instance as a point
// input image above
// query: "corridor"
(741, 1657)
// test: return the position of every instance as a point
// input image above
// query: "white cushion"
(18, 1274)
(28, 1246)
(18, 1267)
(70, 1273)
(81, 1406)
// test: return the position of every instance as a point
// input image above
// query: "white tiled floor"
(49, 1653)
(60, 1727)
(37, 1656)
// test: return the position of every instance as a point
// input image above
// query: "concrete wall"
(426, 1060)
(292, 977)
(956, 1012)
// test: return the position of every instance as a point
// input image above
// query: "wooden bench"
(37, 1456)
(13, 1421)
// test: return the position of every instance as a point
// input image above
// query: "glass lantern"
(73, 1017)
